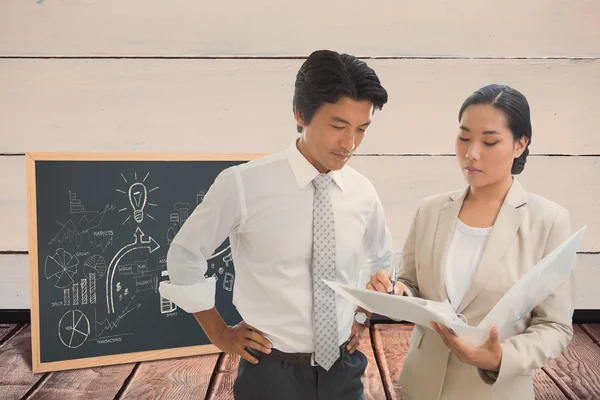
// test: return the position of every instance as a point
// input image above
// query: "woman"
(469, 247)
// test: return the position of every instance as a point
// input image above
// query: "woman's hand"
(487, 356)
(381, 282)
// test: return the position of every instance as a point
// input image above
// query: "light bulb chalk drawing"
(138, 198)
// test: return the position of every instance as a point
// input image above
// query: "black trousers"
(270, 380)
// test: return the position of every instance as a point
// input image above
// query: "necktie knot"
(322, 181)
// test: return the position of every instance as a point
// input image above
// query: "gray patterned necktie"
(323, 263)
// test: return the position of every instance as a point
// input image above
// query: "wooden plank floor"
(573, 375)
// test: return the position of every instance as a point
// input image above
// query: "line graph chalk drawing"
(81, 230)
(73, 329)
(61, 266)
(109, 325)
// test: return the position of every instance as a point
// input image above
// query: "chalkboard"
(100, 226)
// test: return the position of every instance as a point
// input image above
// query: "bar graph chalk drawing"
(92, 288)
(75, 294)
(76, 206)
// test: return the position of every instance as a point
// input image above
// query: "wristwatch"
(361, 318)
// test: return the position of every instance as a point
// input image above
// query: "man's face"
(334, 133)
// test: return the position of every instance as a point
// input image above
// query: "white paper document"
(524, 296)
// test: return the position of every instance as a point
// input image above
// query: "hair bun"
(519, 163)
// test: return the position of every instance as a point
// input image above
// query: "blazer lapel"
(443, 234)
(505, 228)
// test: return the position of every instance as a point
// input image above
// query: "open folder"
(524, 296)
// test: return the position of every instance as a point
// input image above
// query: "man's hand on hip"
(235, 339)
(355, 336)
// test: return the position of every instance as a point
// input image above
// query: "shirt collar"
(304, 171)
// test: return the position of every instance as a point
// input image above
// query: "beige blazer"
(527, 228)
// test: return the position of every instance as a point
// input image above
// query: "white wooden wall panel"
(13, 205)
(14, 285)
(400, 181)
(206, 76)
(511, 28)
(246, 105)
(588, 276)
(403, 181)
(14, 282)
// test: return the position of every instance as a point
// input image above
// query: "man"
(293, 219)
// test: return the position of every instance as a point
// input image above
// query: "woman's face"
(485, 147)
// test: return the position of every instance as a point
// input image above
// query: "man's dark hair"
(326, 76)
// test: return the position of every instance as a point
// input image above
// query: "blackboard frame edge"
(30, 178)
(30, 159)
(51, 156)
(127, 358)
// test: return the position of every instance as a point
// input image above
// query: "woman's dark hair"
(326, 76)
(515, 107)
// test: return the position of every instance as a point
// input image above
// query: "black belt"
(290, 358)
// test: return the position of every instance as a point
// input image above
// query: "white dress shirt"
(464, 254)
(265, 208)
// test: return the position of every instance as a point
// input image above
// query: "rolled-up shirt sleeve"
(217, 217)
(377, 240)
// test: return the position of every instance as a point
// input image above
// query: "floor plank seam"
(36, 386)
(560, 385)
(213, 376)
(372, 333)
(10, 334)
(589, 333)
(127, 381)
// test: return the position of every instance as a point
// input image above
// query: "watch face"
(360, 317)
